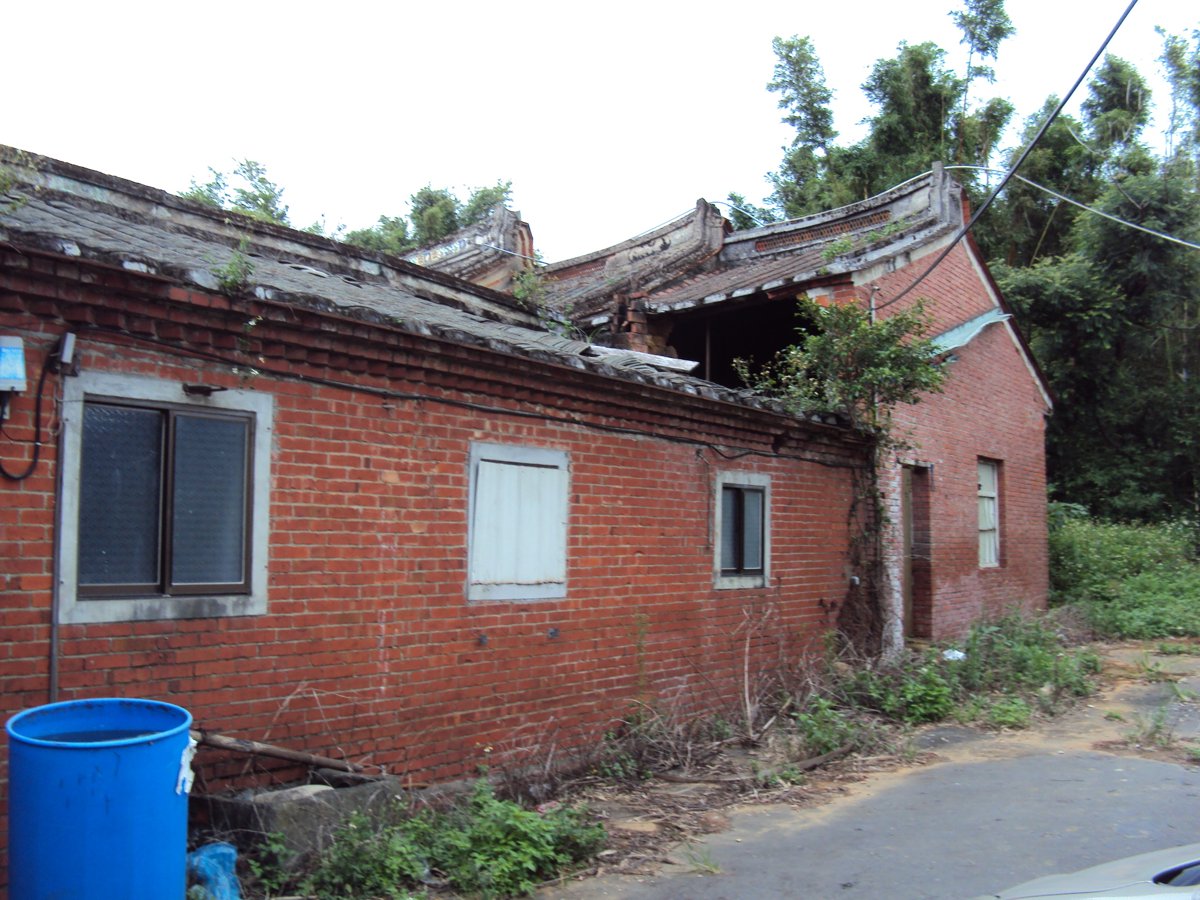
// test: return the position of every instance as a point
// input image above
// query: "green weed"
(699, 858)
(823, 727)
(1009, 712)
(1177, 649)
(1018, 658)
(1131, 581)
(272, 864)
(484, 846)
(1153, 731)
(233, 276)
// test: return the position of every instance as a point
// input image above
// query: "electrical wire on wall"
(60, 360)
(5, 405)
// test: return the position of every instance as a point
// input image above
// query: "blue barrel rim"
(11, 726)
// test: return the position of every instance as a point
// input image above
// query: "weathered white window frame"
(752, 481)
(517, 535)
(129, 388)
(988, 481)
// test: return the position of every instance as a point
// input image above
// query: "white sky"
(609, 118)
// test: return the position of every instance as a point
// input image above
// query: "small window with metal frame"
(164, 500)
(166, 492)
(743, 523)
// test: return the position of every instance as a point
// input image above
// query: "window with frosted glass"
(989, 513)
(164, 496)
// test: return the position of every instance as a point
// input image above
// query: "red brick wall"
(990, 408)
(369, 649)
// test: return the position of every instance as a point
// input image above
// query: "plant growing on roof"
(252, 193)
(10, 199)
(849, 363)
(233, 276)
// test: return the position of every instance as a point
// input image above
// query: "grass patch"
(1002, 673)
(1132, 581)
(483, 846)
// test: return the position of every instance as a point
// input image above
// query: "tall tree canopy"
(434, 213)
(1113, 314)
(922, 114)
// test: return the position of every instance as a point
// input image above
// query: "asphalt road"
(994, 811)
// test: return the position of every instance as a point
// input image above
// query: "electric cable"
(962, 232)
(1086, 208)
(37, 429)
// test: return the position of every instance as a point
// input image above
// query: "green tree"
(1181, 63)
(483, 200)
(1117, 107)
(849, 363)
(984, 25)
(921, 116)
(806, 181)
(1114, 318)
(214, 192)
(804, 96)
(246, 190)
(1027, 223)
(743, 214)
(434, 214)
(389, 235)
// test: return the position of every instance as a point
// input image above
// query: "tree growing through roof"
(923, 113)
(845, 361)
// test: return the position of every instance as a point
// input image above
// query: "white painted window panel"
(519, 531)
(989, 513)
(518, 537)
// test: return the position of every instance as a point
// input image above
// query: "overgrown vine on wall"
(848, 362)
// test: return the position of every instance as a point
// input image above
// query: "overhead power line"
(962, 232)
(1086, 208)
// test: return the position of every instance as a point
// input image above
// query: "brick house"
(967, 502)
(361, 508)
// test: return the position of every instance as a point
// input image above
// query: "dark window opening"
(742, 511)
(754, 333)
(165, 499)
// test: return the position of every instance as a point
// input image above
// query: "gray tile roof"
(824, 245)
(63, 209)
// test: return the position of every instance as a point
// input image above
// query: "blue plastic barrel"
(97, 800)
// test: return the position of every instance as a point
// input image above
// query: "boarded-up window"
(989, 513)
(518, 531)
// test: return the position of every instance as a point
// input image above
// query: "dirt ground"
(1147, 707)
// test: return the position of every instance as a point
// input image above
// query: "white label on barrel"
(183, 784)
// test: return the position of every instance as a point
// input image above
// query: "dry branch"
(257, 748)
